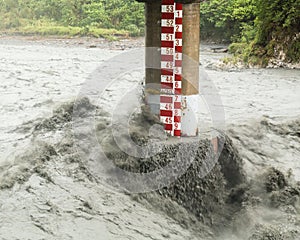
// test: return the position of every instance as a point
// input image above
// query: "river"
(262, 116)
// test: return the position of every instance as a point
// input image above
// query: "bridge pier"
(190, 60)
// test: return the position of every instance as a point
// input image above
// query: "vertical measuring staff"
(167, 63)
(178, 69)
(171, 66)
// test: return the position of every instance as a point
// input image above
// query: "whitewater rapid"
(36, 76)
(262, 117)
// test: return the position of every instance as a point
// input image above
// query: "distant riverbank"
(66, 32)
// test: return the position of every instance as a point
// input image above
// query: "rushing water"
(262, 106)
(36, 76)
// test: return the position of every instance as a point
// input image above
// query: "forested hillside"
(72, 17)
(259, 29)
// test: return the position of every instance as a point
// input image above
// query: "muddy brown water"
(262, 113)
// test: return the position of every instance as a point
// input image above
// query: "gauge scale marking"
(171, 66)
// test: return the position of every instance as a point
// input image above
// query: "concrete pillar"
(190, 68)
(190, 64)
(153, 41)
(191, 42)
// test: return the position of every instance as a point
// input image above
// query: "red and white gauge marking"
(171, 66)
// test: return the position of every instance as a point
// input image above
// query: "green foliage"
(259, 29)
(227, 19)
(44, 28)
(278, 29)
(277, 16)
(51, 30)
(117, 14)
(237, 48)
(293, 51)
